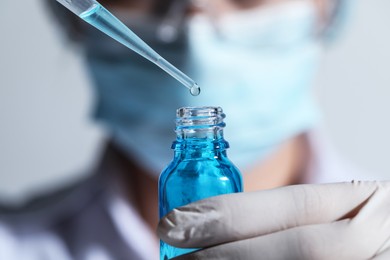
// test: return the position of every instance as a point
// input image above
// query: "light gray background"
(46, 137)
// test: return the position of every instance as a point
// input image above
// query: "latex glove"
(330, 221)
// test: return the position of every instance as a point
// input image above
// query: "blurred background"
(47, 137)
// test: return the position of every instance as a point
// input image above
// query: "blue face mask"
(257, 65)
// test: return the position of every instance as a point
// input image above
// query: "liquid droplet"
(195, 90)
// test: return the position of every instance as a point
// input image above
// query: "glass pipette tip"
(96, 15)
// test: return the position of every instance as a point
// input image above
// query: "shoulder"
(46, 209)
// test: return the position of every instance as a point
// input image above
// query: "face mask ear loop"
(172, 23)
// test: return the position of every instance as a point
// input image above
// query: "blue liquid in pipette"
(103, 20)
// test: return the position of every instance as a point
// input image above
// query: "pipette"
(96, 15)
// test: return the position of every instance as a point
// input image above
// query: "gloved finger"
(375, 218)
(240, 216)
(323, 241)
(358, 238)
(305, 242)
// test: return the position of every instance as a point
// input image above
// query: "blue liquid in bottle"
(200, 167)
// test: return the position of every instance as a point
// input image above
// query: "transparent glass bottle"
(200, 167)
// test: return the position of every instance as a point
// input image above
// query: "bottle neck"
(199, 132)
(195, 148)
(205, 138)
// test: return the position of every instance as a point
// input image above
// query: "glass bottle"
(200, 167)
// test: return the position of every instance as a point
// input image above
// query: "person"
(256, 59)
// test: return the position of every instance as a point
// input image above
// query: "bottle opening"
(200, 123)
(200, 117)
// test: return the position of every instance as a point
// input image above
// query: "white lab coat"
(91, 221)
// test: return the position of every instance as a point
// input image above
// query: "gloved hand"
(329, 221)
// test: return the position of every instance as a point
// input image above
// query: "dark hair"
(71, 24)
